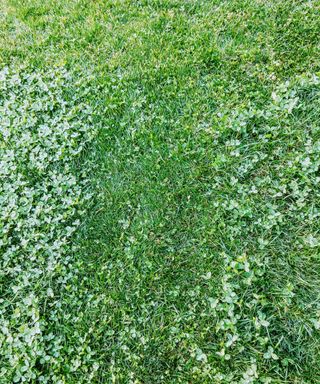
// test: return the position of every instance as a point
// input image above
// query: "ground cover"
(159, 191)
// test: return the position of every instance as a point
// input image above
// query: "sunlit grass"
(197, 259)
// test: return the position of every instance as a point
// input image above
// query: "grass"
(198, 258)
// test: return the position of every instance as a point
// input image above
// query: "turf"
(197, 260)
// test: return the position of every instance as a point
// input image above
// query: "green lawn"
(160, 224)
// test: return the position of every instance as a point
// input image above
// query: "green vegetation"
(159, 191)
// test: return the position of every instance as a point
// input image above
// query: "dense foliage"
(159, 191)
(44, 127)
